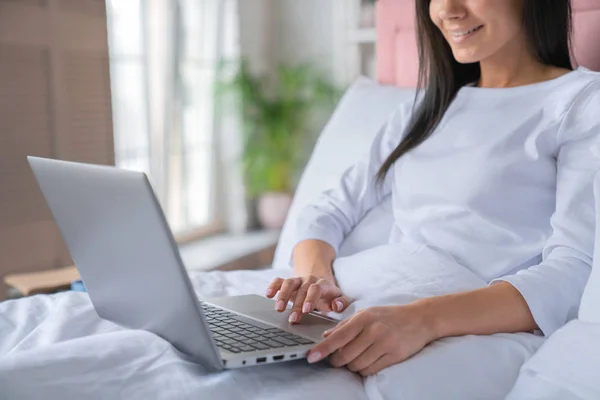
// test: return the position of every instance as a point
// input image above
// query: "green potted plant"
(277, 115)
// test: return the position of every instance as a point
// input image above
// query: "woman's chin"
(464, 56)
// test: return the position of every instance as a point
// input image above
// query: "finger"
(338, 339)
(339, 304)
(324, 305)
(315, 292)
(350, 352)
(383, 362)
(274, 287)
(328, 332)
(298, 302)
(288, 287)
(367, 358)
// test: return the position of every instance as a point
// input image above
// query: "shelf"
(223, 251)
(362, 35)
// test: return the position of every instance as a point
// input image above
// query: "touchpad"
(263, 309)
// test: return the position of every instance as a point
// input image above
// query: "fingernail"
(339, 305)
(294, 317)
(280, 305)
(327, 332)
(269, 292)
(307, 307)
(314, 357)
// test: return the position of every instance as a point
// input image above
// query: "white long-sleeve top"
(504, 186)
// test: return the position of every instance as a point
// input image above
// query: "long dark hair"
(548, 29)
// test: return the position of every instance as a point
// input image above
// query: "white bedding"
(567, 367)
(55, 347)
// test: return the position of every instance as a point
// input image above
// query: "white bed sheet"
(56, 346)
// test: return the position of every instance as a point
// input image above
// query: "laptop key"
(291, 336)
(272, 344)
(304, 341)
(245, 328)
(260, 346)
(285, 341)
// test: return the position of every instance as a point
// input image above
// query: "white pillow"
(589, 310)
(566, 367)
(362, 112)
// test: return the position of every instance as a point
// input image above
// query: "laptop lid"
(123, 248)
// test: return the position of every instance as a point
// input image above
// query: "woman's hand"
(376, 338)
(308, 293)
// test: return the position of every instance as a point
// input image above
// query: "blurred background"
(219, 102)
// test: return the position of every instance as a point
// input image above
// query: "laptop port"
(261, 360)
(278, 358)
(293, 356)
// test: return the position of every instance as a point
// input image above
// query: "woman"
(493, 168)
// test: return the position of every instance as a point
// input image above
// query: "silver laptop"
(119, 240)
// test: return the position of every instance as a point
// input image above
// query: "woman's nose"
(451, 9)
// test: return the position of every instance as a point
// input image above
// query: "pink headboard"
(397, 58)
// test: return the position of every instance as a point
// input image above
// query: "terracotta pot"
(273, 208)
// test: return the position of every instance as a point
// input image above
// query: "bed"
(55, 347)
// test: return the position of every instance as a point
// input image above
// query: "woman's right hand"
(308, 293)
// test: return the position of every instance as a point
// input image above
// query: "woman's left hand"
(376, 338)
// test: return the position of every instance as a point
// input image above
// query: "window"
(164, 58)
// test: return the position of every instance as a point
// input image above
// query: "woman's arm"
(553, 288)
(322, 226)
(378, 337)
(495, 309)
(333, 215)
(314, 257)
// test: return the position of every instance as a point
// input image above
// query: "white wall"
(291, 31)
(257, 33)
(305, 32)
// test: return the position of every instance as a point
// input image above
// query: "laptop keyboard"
(234, 334)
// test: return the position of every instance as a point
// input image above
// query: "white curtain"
(164, 64)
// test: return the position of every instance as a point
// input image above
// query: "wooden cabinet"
(54, 102)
